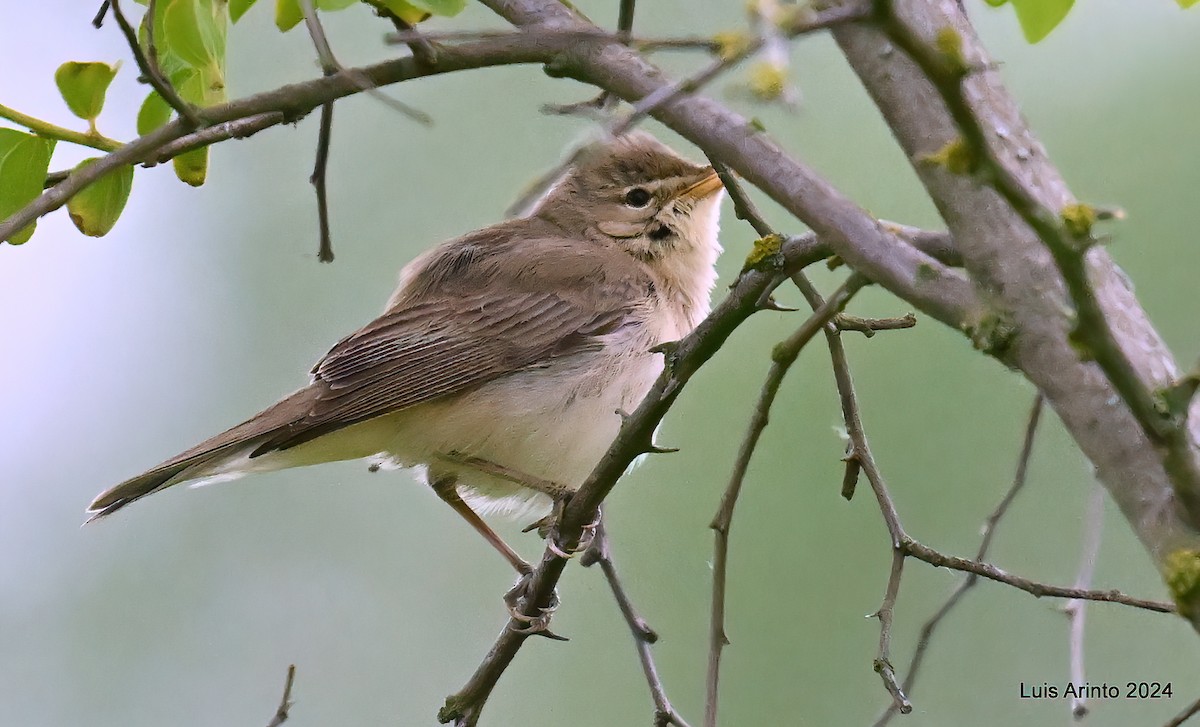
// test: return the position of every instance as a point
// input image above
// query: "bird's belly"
(550, 424)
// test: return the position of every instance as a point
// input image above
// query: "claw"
(554, 548)
(586, 537)
(532, 625)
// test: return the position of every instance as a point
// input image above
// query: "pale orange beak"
(705, 187)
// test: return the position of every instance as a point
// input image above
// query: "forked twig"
(985, 543)
(643, 636)
(782, 356)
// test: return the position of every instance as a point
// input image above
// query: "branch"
(783, 356)
(860, 240)
(1190, 711)
(149, 67)
(643, 636)
(1066, 233)
(1076, 609)
(869, 326)
(883, 663)
(1029, 324)
(635, 438)
(985, 543)
(91, 139)
(209, 135)
(1034, 588)
(329, 66)
(291, 103)
(285, 703)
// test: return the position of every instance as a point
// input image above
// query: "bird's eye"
(637, 197)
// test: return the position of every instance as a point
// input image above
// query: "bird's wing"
(450, 341)
(443, 345)
(463, 318)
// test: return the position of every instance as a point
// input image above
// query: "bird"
(503, 363)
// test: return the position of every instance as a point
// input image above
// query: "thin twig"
(329, 66)
(89, 138)
(150, 71)
(745, 209)
(869, 326)
(985, 543)
(285, 704)
(883, 663)
(1076, 609)
(1190, 711)
(648, 44)
(599, 552)
(240, 129)
(423, 49)
(1034, 588)
(634, 439)
(665, 94)
(782, 357)
(98, 20)
(318, 181)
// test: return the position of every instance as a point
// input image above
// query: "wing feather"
(444, 345)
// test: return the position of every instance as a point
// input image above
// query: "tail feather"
(191, 464)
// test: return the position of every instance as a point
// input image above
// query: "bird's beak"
(707, 185)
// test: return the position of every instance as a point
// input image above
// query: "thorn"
(666, 348)
(655, 449)
(771, 304)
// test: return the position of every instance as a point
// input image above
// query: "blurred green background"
(205, 305)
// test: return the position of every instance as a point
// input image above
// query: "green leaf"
(155, 112)
(192, 167)
(24, 160)
(215, 31)
(83, 86)
(403, 10)
(288, 13)
(995, 3)
(1186, 3)
(1039, 17)
(446, 8)
(96, 207)
(193, 87)
(187, 31)
(238, 8)
(168, 61)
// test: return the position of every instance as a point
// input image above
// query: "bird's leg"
(446, 488)
(554, 490)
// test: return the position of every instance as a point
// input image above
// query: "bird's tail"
(206, 459)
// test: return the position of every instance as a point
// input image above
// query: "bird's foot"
(547, 528)
(538, 624)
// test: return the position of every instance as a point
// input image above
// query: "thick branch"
(634, 439)
(1030, 327)
(860, 240)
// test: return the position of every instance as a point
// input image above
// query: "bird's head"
(637, 192)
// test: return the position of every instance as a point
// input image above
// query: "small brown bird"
(501, 362)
